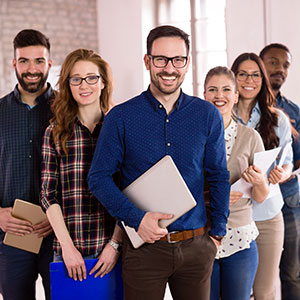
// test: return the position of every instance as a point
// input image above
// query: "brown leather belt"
(176, 236)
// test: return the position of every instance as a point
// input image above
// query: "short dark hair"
(30, 37)
(271, 46)
(166, 31)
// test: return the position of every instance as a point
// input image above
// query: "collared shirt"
(64, 182)
(21, 132)
(291, 187)
(272, 205)
(138, 133)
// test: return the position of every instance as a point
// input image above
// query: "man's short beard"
(32, 87)
(275, 86)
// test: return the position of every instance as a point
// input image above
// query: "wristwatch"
(115, 245)
(217, 237)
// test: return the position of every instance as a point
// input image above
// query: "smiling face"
(86, 94)
(220, 90)
(249, 88)
(32, 65)
(167, 80)
(277, 62)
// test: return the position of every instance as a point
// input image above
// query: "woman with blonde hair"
(82, 226)
(238, 250)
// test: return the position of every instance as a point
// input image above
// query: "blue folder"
(109, 287)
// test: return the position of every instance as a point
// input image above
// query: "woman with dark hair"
(82, 226)
(238, 251)
(255, 109)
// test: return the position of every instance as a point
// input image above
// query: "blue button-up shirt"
(138, 133)
(21, 132)
(291, 187)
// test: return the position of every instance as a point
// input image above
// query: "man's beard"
(275, 86)
(166, 91)
(32, 87)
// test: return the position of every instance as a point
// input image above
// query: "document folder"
(109, 287)
(160, 189)
(30, 212)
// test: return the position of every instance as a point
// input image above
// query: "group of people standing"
(72, 153)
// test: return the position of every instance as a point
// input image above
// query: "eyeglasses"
(243, 76)
(162, 61)
(92, 79)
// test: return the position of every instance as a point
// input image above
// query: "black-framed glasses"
(243, 76)
(160, 61)
(91, 79)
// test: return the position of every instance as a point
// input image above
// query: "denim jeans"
(19, 271)
(290, 259)
(233, 276)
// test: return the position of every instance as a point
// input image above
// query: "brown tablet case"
(30, 212)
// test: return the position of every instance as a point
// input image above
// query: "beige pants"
(270, 245)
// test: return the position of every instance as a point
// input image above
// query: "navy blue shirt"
(21, 132)
(291, 187)
(138, 133)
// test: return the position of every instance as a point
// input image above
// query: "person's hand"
(234, 196)
(13, 225)
(106, 261)
(43, 229)
(74, 263)
(254, 175)
(278, 175)
(149, 229)
(216, 242)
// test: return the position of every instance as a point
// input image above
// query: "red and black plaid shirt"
(64, 181)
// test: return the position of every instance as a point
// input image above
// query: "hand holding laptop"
(149, 230)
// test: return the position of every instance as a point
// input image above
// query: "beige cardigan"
(248, 142)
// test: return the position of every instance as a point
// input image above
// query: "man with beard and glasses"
(137, 134)
(277, 59)
(24, 116)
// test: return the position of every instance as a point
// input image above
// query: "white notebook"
(160, 189)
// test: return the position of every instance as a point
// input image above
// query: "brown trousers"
(185, 265)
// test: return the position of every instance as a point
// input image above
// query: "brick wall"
(70, 24)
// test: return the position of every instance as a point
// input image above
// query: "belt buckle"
(169, 237)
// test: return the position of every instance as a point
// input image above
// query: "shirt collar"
(254, 118)
(157, 105)
(280, 99)
(45, 96)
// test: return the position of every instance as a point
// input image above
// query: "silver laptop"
(160, 189)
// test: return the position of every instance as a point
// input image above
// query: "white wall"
(124, 25)
(122, 40)
(253, 24)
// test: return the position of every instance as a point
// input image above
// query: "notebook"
(160, 189)
(30, 212)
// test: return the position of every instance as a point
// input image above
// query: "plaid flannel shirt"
(64, 181)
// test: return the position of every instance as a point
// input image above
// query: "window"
(204, 21)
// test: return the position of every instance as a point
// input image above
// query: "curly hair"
(64, 107)
(265, 99)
